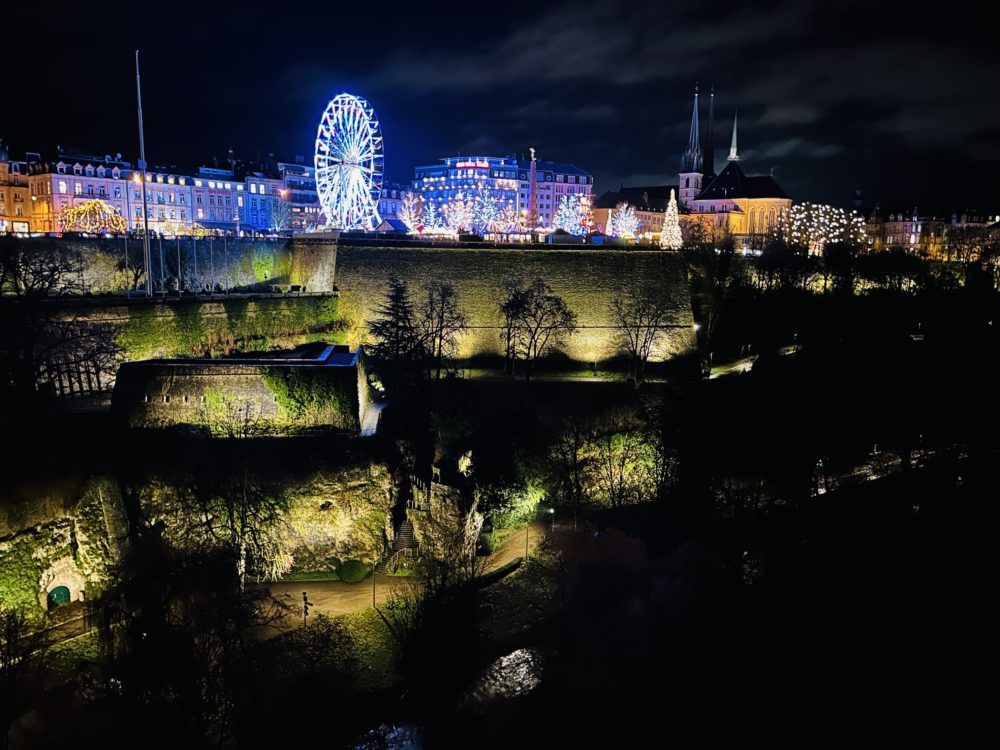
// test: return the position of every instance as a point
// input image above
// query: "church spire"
(710, 145)
(733, 156)
(691, 162)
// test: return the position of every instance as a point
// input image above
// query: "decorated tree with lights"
(432, 216)
(94, 216)
(460, 213)
(507, 222)
(571, 215)
(486, 211)
(670, 235)
(813, 226)
(623, 222)
(412, 212)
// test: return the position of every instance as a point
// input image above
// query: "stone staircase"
(404, 545)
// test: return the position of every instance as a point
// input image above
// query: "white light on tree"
(349, 163)
(460, 213)
(571, 215)
(411, 212)
(670, 235)
(814, 226)
(486, 209)
(623, 222)
(432, 217)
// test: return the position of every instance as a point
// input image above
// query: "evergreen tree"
(569, 215)
(393, 327)
(670, 236)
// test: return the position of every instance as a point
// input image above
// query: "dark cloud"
(832, 95)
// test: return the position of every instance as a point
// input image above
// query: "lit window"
(62, 187)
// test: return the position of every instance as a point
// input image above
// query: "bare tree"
(535, 320)
(226, 417)
(623, 467)
(639, 316)
(22, 646)
(240, 513)
(441, 323)
(46, 341)
(573, 458)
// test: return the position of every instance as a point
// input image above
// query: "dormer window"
(115, 173)
(61, 168)
(100, 171)
(77, 169)
(90, 171)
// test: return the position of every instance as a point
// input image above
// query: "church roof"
(733, 183)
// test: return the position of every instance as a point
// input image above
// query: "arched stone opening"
(61, 584)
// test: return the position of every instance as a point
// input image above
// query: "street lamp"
(374, 566)
(552, 511)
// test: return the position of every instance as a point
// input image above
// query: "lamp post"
(552, 511)
(374, 566)
(527, 525)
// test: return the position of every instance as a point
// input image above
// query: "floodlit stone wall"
(108, 264)
(587, 278)
(59, 535)
(238, 399)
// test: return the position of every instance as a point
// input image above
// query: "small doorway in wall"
(58, 597)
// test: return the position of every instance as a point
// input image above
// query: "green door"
(58, 597)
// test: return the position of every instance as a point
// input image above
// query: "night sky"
(832, 96)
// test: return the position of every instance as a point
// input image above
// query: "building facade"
(300, 210)
(15, 194)
(508, 180)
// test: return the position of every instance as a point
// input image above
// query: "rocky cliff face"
(307, 522)
(69, 536)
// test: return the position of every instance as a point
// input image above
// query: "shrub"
(485, 545)
(353, 571)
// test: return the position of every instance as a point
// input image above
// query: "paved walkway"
(334, 598)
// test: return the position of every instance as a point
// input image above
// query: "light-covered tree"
(670, 235)
(432, 216)
(623, 222)
(571, 215)
(460, 213)
(411, 212)
(486, 209)
(93, 216)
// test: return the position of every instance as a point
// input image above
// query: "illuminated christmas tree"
(670, 235)
(460, 213)
(571, 214)
(623, 221)
(411, 212)
(432, 217)
(95, 216)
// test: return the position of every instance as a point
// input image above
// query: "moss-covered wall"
(184, 328)
(222, 397)
(68, 535)
(108, 263)
(330, 515)
(586, 278)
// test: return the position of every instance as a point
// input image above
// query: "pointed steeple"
(710, 145)
(691, 162)
(733, 156)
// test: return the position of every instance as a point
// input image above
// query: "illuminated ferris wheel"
(349, 163)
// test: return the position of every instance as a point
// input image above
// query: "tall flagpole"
(142, 167)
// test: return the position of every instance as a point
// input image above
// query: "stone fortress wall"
(587, 278)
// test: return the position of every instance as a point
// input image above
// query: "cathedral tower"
(691, 173)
